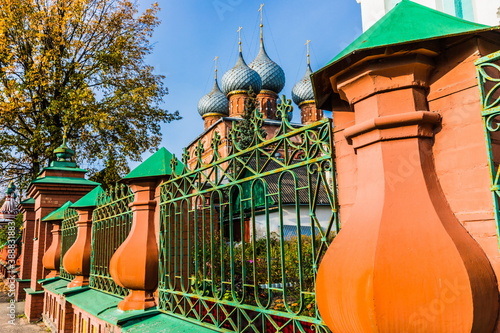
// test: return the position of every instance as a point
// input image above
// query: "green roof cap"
(89, 199)
(63, 168)
(409, 22)
(63, 180)
(405, 24)
(29, 201)
(157, 164)
(58, 214)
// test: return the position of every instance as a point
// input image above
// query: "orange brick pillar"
(402, 261)
(28, 211)
(134, 265)
(58, 183)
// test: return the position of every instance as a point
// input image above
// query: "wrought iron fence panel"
(241, 237)
(112, 221)
(488, 74)
(69, 231)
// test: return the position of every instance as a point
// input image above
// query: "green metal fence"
(241, 237)
(69, 230)
(488, 73)
(112, 220)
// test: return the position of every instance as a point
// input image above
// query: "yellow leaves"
(79, 64)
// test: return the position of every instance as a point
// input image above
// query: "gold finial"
(261, 10)
(308, 55)
(215, 66)
(239, 38)
(65, 135)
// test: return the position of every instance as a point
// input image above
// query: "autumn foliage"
(77, 65)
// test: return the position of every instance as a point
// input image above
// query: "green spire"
(64, 155)
(63, 152)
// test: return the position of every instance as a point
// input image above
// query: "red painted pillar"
(52, 257)
(135, 263)
(76, 261)
(402, 261)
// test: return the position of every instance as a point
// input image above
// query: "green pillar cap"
(158, 164)
(90, 199)
(407, 23)
(29, 201)
(58, 214)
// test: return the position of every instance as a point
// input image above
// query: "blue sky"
(192, 33)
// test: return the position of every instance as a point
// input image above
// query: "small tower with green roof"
(57, 183)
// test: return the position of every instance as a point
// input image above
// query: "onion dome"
(63, 152)
(241, 77)
(302, 91)
(215, 102)
(9, 210)
(11, 188)
(271, 74)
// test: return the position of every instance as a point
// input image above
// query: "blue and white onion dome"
(215, 102)
(240, 78)
(302, 91)
(271, 74)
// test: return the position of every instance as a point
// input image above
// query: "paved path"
(20, 323)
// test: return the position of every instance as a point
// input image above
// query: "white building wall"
(484, 11)
(487, 11)
(323, 214)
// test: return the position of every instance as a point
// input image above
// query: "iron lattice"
(69, 231)
(112, 221)
(488, 74)
(241, 237)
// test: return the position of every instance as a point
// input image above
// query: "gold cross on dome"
(308, 53)
(215, 66)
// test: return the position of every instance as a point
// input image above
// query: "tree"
(109, 176)
(246, 127)
(79, 66)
